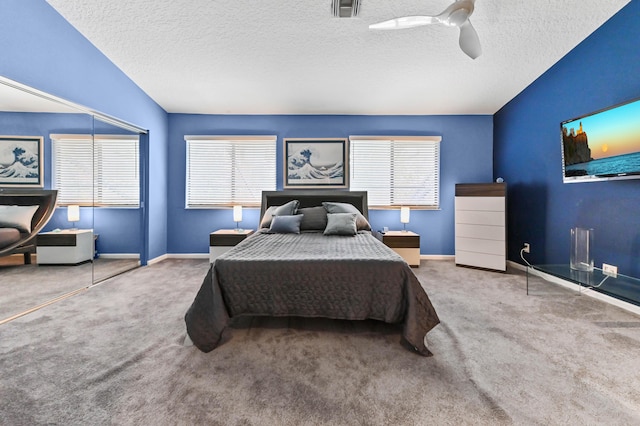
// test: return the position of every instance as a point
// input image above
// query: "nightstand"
(223, 240)
(65, 247)
(406, 244)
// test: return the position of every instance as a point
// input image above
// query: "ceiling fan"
(456, 15)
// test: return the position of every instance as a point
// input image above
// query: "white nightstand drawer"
(223, 240)
(69, 246)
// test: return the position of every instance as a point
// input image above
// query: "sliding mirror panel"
(30, 162)
(117, 201)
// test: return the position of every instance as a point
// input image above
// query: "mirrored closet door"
(117, 199)
(96, 230)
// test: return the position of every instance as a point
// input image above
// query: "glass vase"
(581, 249)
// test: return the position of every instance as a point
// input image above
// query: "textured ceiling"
(294, 57)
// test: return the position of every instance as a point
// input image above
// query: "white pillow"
(17, 217)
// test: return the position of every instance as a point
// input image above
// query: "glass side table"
(619, 286)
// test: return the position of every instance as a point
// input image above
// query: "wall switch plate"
(526, 248)
(610, 270)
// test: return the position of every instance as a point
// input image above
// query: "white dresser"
(481, 225)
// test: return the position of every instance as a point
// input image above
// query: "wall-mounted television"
(603, 145)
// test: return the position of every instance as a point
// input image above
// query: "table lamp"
(404, 217)
(237, 216)
(73, 214)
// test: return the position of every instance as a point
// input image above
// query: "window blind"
(103, 170)
(396, 171)
(224, 170)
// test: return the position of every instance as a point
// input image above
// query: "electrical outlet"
(526, 248)
(610, 270)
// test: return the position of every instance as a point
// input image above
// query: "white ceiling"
(294, 57)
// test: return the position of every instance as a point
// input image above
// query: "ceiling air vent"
(345, 8)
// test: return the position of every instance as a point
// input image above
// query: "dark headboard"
(46, 202)
(315, 197)
(45, 199)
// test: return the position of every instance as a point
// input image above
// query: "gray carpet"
(113, 355)
(23, 287)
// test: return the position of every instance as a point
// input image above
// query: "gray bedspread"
(311, 275)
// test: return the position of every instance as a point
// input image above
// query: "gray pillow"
(286, 224)
(268, 215)
(361, 222)
(18, 217)
(314, 219)
(341, 224)
(287, 209)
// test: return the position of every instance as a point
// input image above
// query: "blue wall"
(41, 49)
(602, 71)
(118, 228)
(466, 156)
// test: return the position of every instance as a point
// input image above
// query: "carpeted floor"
(114, 355)
(23, 287)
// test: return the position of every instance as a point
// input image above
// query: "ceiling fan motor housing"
(458, 13)
(345, 8)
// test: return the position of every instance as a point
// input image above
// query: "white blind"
(224, 170)
(101, 171)
(403, 171)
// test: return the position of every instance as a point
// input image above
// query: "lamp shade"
(73, 213)
(237, 213)
(404, 214)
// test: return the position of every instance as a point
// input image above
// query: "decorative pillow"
(265, 222)
(361, 222)
(18, 217)
(283, 210)
(286, 224)
(314, 219)
(341, 224)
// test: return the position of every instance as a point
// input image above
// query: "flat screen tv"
(603, 145)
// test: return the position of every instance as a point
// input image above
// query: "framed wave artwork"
(21, 161)
(316, 163)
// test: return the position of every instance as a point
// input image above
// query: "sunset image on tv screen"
(606, 143)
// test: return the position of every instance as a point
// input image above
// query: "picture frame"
(316, 163)
(22, 161)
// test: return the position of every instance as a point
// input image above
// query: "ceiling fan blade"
(404, 22)
(469, 40)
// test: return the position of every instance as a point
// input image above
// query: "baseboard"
(437, 257)
(119, 256)
(157, 259)
(206, 256)
(629, 307)
(516, 265)
(188, 255)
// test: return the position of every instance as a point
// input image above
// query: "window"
(397, 171)
(103, 170)
(227, 170)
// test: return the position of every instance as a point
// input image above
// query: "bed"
(280, 272)
(23, 213)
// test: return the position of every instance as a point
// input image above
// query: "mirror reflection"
(117, 214)
(95, 230)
